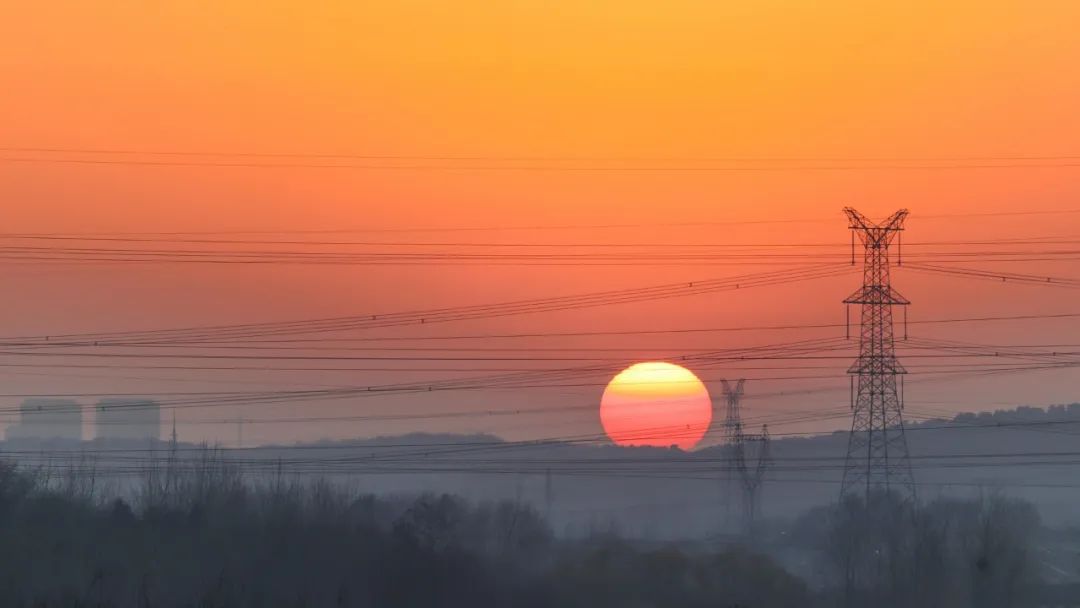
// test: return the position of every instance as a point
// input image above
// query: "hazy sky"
(848, 85)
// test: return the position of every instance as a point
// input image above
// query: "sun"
(656, 404)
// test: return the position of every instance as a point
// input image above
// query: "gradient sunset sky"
(568, 115)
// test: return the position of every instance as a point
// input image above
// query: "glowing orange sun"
(656, 404)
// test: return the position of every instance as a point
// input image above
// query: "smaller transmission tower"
(733, 448)
(549, 496)
(747, 456)
(877, 456)
(733, 418)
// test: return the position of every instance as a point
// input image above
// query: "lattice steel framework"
(745, 473)
(733, 417)
(877, 456)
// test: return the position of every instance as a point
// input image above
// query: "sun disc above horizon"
(656, 404)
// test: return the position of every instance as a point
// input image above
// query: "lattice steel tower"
(733, 413)
(877, 456)
(745, 471)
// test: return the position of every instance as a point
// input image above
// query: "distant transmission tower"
(877, 456)
(549, 496)
(745, 467)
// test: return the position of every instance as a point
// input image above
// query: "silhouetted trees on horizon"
(947, 553)
(204, 535)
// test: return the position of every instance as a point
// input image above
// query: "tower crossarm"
(871, 364)
(877, 294)
(875, 235)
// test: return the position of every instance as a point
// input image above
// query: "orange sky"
(559, 78)
(564, 78)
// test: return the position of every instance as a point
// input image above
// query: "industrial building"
(45, 418)
(128, 419)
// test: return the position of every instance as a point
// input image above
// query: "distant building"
(128, 419)
(43, 418)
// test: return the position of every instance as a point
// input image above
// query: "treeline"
(201, 535)
(198, 533)
(978, 553)
(1024, 413)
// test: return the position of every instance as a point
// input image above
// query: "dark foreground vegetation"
(205, 538)
(201, 535)
(976, 552)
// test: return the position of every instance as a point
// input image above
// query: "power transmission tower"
(549, 496)
(239, 431)
(745, 470)
(171, 477)
(732, 445)
(733, 427)
(877, 456)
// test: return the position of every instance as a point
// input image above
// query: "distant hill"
(1027, 452)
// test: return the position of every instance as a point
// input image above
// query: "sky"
(539, 122)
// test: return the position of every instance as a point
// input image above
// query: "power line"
(151, 237)
(518, 255)
(59, 341)
(556, 167)
(700, 355)
(482, 383)
(442, 315)
(451, 157)
(689, 330)
(543, 227)
(998, 276)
